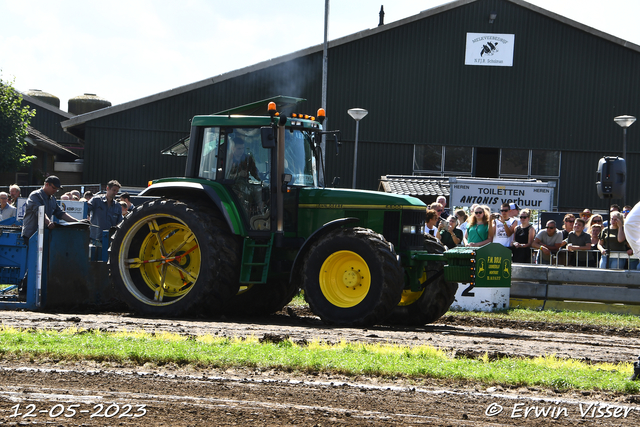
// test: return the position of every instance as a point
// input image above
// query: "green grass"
(298, 300)
(586, 318)
(343, 358)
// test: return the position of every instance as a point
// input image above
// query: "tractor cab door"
(247, 170)
(235, 157)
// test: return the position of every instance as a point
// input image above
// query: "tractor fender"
(315, 236)
(185, 190)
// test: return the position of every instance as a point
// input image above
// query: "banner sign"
(489, 49)
(76, 209)
(536, 195)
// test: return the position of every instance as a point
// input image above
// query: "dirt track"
(176, 396)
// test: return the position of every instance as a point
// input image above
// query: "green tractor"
(249, 225)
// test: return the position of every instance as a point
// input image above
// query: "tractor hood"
(337, 198)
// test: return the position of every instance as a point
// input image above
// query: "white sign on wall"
(536, 195)
(21, 205)
(494, 50)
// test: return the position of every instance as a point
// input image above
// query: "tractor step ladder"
(255, 261)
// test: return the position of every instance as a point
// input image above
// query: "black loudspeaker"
(611, 180)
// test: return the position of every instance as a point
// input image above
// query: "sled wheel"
(432, 302)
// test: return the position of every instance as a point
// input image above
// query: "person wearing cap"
(586, 214)
(45, 196)
(42, 197)
(105, 212)
(514, 212)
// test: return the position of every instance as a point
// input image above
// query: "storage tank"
(87, 103)
(45, 97)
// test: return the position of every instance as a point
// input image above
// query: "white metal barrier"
(549, 282)
(592, 258)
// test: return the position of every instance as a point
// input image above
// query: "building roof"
(45, 143)
(414, 185)
(42, 104)
(78, 121)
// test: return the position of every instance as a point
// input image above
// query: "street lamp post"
(624, 122)
(357, 114)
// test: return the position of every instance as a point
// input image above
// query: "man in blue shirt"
(43, 197)
(105, 211)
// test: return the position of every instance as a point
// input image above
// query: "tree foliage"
(14, 119)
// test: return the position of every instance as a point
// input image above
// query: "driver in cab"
(241, 165)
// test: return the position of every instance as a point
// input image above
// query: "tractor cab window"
(210, 149)
(299, 160)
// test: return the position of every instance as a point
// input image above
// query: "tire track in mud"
(241, 398)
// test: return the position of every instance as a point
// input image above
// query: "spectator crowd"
(583, 239)
(104, 210)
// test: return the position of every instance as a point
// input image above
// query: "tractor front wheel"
(352, 277)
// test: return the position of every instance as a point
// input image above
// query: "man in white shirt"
(631, 229)
(504, 227)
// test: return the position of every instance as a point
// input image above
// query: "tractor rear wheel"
(352, 277)
(431, 303)
(170, 259)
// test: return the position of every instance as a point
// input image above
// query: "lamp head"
(357, 113)
(624, 121)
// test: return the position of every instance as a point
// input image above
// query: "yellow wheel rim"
(168, 260)
(244, 288)
(409, 297)
(345, 279)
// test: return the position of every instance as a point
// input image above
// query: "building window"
(543, 165)
(529, 163)
(442, 160)
(458, 159)
(427, 158)
(514, 162)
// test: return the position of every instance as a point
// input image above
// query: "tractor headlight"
(409, 229)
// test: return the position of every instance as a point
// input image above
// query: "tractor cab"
(237, 157)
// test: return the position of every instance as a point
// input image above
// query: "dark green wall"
(562, 93)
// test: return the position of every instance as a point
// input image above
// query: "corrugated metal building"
(432, 110)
